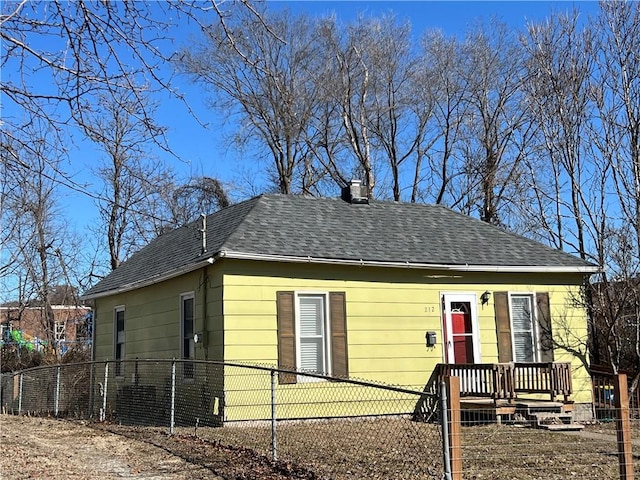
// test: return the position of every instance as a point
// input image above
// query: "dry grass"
(396, 448)
(507, 452)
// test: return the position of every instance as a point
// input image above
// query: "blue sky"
(203, 151)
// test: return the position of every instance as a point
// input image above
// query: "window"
(312, 338)
(523, 327)
(187, 320)
(312, 333)
(119, 340)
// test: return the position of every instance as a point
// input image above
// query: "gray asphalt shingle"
(330, 228)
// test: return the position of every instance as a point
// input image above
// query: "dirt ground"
(80, 452)
(39, 448)
(45, 448)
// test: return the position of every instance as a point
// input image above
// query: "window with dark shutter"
(311, 333)
(522, 329)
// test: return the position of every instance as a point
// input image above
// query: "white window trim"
(534, 325)
(116, 310)
(326, 332)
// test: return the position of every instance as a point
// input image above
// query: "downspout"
(205, 313)
(205, 287)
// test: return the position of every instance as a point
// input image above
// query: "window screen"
(312, 333)
(522, 328)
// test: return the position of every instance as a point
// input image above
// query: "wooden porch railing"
(603, 383)
(504, 381)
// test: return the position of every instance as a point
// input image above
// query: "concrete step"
(551, 419)
(564, 427)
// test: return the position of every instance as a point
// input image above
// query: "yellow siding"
(152, 319)
(388, 313)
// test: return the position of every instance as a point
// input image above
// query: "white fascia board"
(337, 261)
(151, 280)
(420, 266)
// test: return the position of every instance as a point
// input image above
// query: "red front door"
(462, 334)
(459, 322)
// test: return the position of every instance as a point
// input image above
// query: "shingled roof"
(330, 230)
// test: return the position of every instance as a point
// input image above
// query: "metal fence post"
(91, 393)
(444, 423)
(274, 448)
(172, 421)
(103, 413)
(56, 402)
(20, 395)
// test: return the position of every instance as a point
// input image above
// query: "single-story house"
(375, 290)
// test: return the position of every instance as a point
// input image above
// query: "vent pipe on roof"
(355, 192)
(203, 233)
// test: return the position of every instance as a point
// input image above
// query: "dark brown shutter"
(286, 336)
(543, 315)
(503, 327)
(339, 360)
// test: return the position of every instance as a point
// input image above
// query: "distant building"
(26, 326)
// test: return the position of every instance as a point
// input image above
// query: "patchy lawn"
(390, 448)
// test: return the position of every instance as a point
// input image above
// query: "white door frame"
(446, 299)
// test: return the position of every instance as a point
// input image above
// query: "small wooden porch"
(538, 393)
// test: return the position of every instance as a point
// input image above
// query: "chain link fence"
(329, 427)
(519, 449)
(335, 428)
(536, 439)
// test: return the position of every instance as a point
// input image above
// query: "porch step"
(533, 407)
(554, 421)
(564, 427)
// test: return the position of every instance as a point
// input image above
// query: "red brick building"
(72, 325)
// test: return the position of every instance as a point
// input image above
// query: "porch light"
(485, 297)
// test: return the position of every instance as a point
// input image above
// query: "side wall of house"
(388, 312)
(152, 318)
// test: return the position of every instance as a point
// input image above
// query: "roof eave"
(582, 269)
(586, 270)
(151, 280)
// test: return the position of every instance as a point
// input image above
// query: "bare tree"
(265, 77)
(130, 179)
(440, 78)
(200, 195)
(61, 60)
(83, 51)
(496, 131)
(39, 248)
(614, 145)
(396, 116)
(347, 86)
(560, 68)
(618, 103)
